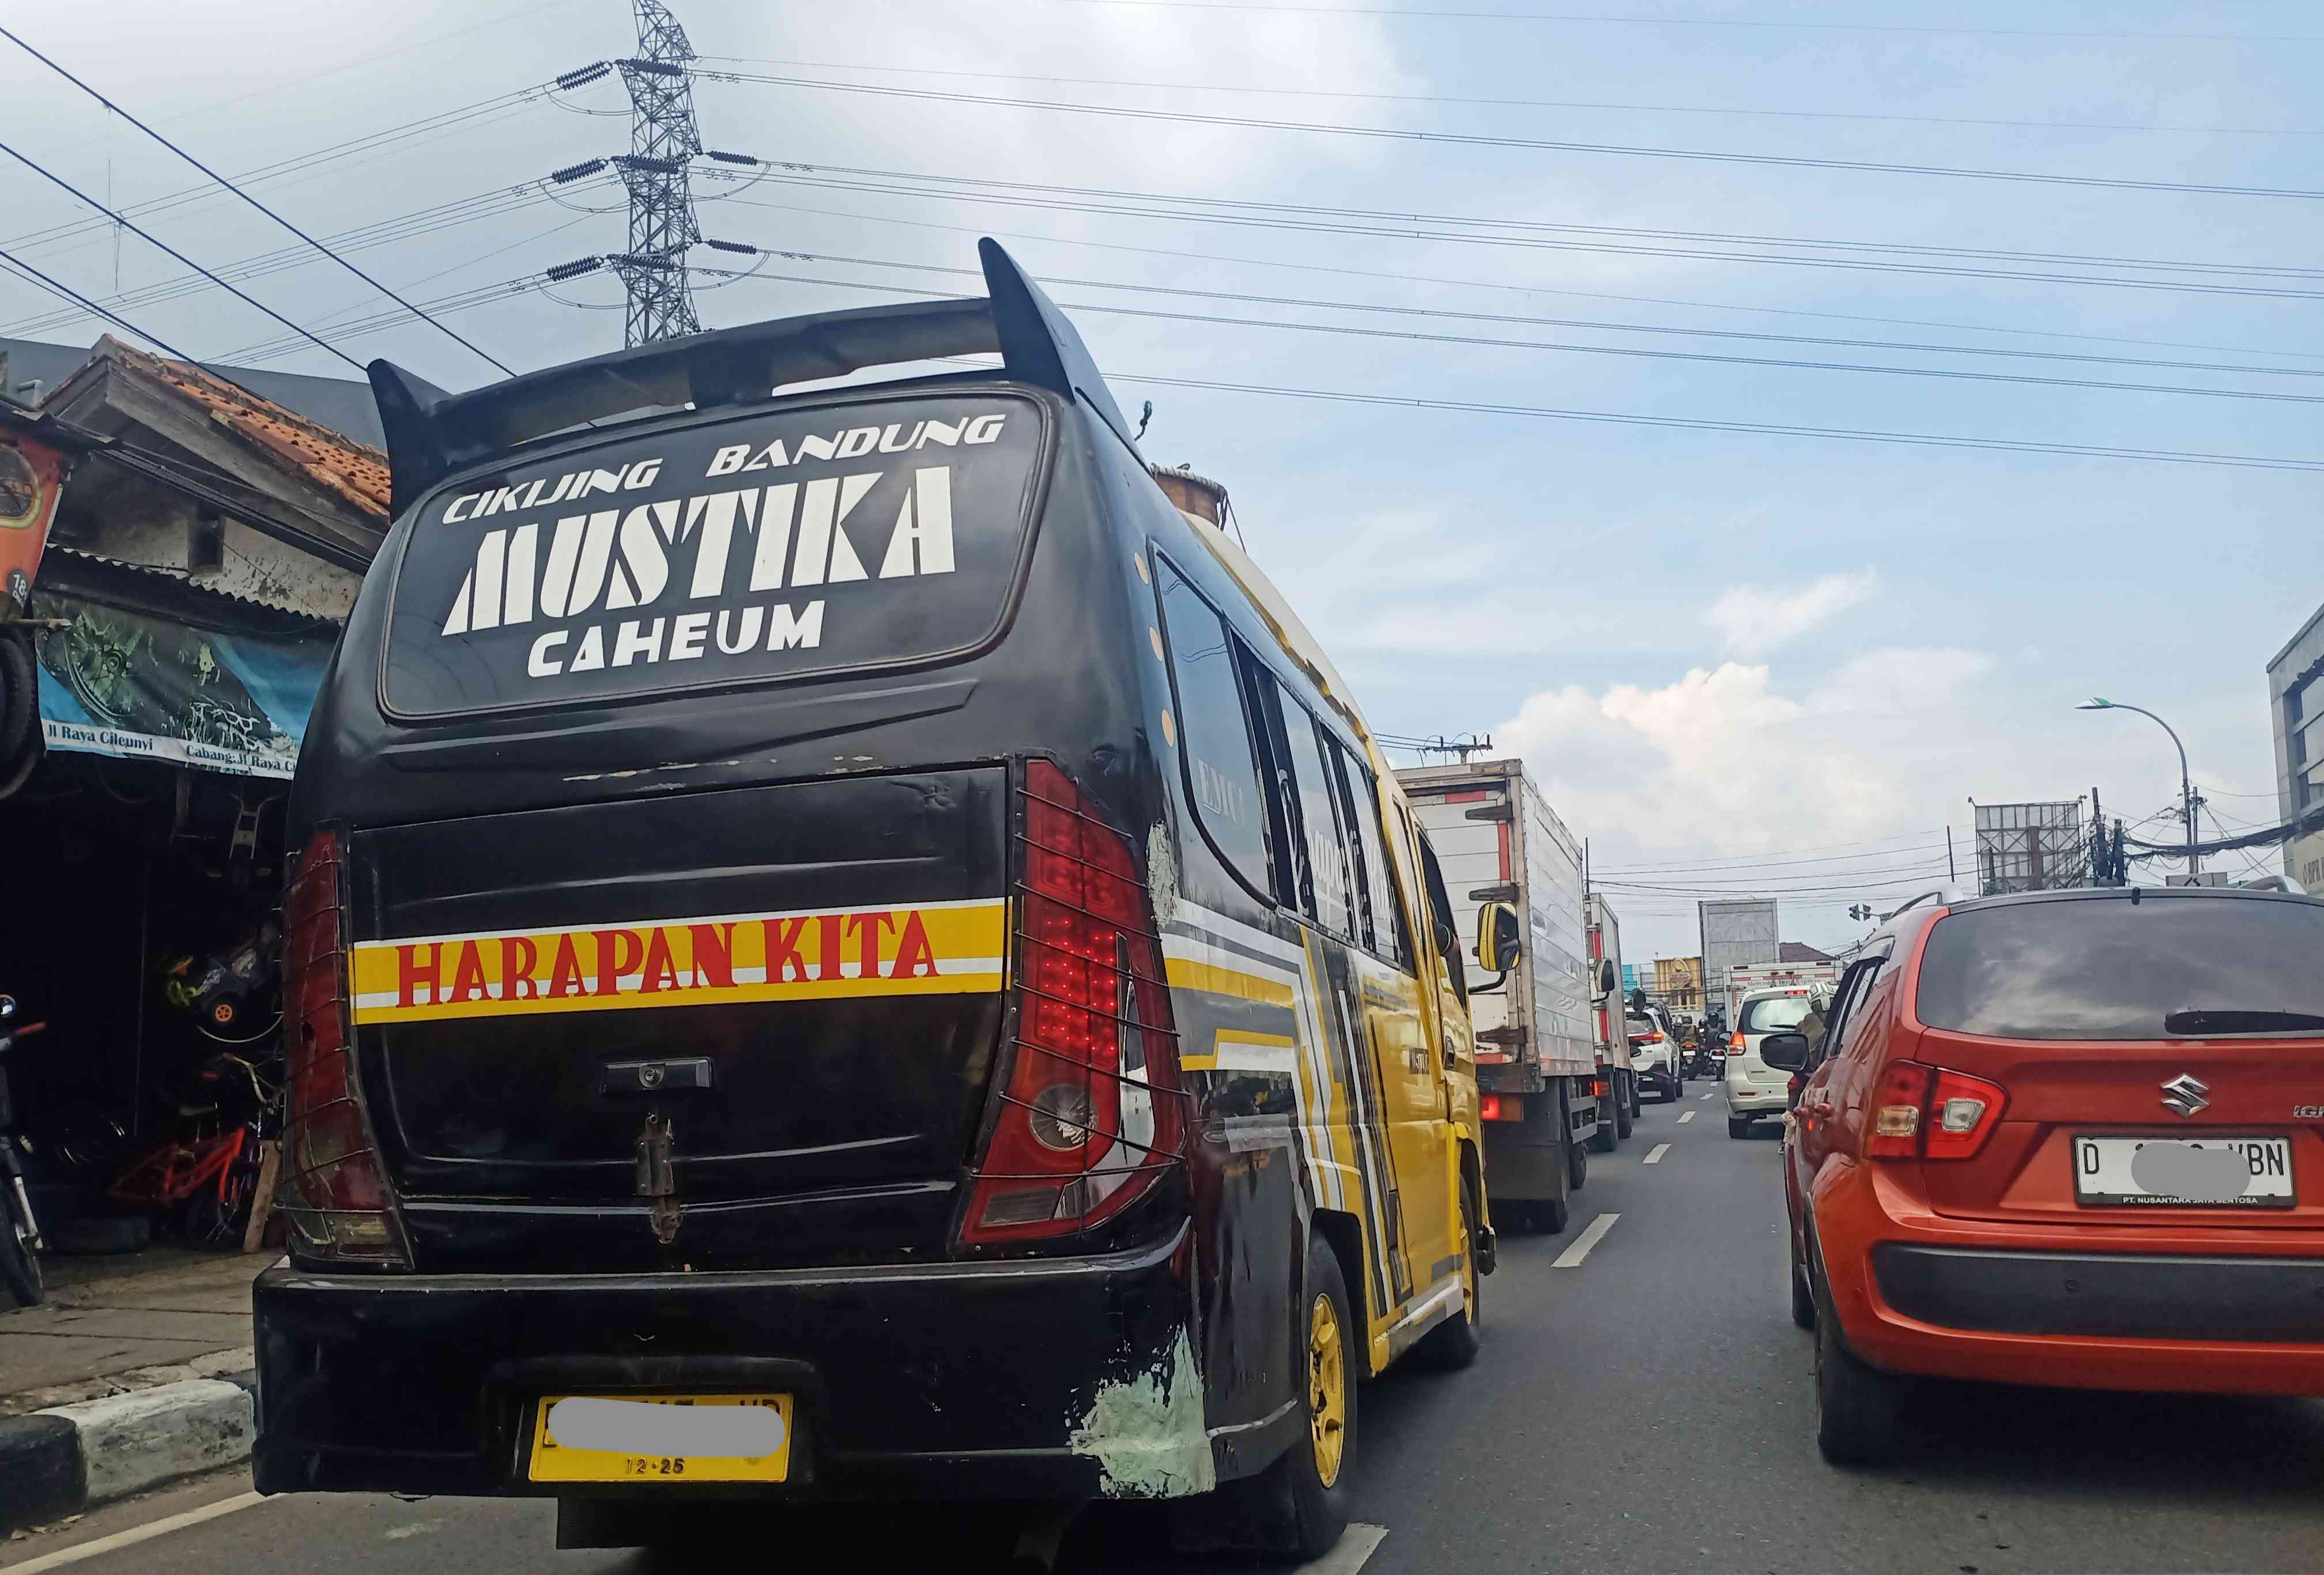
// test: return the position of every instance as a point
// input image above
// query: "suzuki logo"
(2183, 1095)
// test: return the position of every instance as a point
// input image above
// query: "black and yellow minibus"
(842, 948)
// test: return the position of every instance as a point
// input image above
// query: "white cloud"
(1758, 618)
(1723, 762)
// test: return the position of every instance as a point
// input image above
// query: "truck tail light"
(334, 1193)
(1088, 1114)
(1500, 1107)
(1925, 1112)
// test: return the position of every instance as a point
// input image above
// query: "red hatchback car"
(2068, 1139)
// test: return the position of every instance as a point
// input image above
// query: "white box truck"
(1745, 976)
(1617, 1064)
(1537, 1065)
(1735, 932)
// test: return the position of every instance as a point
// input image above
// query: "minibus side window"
(1294, 886)
(1222, 773)
(1327, 852)
(1440, 917)
(1376, 883)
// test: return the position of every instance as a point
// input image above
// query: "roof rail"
(432, 433)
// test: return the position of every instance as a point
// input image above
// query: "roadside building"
(1678, 983)
(2295, 700)
(182, 595)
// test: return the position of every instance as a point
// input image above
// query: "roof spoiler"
(432, 433)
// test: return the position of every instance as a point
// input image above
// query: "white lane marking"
(1706, 1097)
(1683, 1120)
(1656, 1156)
(1356, 1544)
(135, 1534)
(1570, 1258)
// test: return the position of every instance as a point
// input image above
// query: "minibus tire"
(1296, 1515)
(1452, 1343)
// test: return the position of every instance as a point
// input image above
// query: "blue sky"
(1715, 647)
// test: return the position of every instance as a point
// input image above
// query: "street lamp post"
(2186, 783)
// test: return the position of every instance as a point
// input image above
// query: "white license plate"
(2184, 1173)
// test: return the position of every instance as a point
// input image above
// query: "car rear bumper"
(1758, 1099)
(2123, 1295)
(1022, 1379)
(2163, 1311)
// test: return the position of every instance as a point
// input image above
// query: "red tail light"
(1925, 1112)
(1500, 1107)
(1735, 1046)
(1090, 1114)
(334, 1190)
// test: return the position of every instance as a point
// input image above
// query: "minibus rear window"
(852, 535)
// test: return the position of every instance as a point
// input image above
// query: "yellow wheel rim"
(1327, 1388)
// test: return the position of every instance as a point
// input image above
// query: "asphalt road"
(1647, 1409)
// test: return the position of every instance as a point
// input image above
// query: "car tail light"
(1089, 1114)
(1655, 1037)
(1925, 1112)
(1735, 1046)
(333, 1192)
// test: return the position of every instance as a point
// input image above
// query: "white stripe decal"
(1570, 1258)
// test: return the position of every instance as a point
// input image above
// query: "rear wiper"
(2221, 1020)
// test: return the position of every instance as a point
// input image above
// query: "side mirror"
(1501, 935)
(1786, 1052)
(1603, 986)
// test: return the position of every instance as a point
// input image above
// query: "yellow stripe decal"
(1186, 974)
(820, 954)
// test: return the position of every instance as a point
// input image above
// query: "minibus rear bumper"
(1021, 1379)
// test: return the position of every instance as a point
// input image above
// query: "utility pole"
(663, 140)
(1951, 874)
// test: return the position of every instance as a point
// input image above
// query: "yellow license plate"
(660, 1438)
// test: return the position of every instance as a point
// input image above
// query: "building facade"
(1678, 983)
(2295, 701)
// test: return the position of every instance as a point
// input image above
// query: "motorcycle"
(20, 1233)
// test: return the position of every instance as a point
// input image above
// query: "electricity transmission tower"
(663, 140)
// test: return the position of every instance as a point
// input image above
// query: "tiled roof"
(331, 460)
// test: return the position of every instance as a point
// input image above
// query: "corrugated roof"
(184, 581)
(331, 460)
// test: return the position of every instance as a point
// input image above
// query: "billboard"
(139, 686)
(1737, 931)
(32, 480)
(2031, 847)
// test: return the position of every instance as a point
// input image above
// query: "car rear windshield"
(1638, 1027)
(2165, 967)
(1771, 1014)
(853, 535)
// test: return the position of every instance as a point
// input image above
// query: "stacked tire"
(19, 710)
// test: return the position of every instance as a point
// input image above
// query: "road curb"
(66, 1457)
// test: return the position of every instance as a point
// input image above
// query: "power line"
(444, 122)
(1747, 865)
(1174, 86)
(1543, 144)
(1474, 283)
(1312, 220)
(1618, 418)
(1790, 364)
(1699, 21)
(114, 109)
(173, 251)
(1522, 289)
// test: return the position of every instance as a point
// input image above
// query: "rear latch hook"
(657, 1176)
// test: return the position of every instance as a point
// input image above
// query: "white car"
(1755, 1089)
(1653, 1052)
